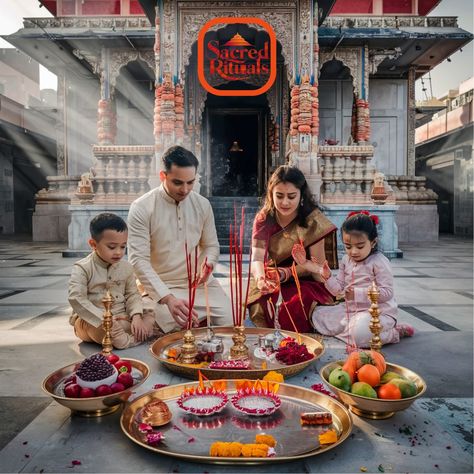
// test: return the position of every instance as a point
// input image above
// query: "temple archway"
(336, 102)
(258, 124)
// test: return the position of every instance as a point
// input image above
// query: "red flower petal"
(75, 462)
(144, 427)
(159, 385)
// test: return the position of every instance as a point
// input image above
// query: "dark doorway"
(236, 152)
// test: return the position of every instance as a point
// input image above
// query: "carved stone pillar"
(106, 117)
(61, 127)
(411, 122)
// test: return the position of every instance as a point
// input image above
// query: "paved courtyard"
(434, 289)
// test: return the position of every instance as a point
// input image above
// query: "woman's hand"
(299, 254)
(266, 285)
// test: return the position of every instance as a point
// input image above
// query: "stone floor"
(434, 288)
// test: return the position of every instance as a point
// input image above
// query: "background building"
(444, 155)
(128, 89)
(27, 140)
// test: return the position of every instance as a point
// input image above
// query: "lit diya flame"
(202, 400)
(256, 398)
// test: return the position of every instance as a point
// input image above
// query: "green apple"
(363, 389)
(340, 379)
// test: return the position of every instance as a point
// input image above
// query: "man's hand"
(179, 309)
(206, 272)
(139, 329)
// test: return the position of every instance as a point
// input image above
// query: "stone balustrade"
(411, 190)
(89, 22)
(60, 189)
(121, 173)
(391, 22)
(347, 174)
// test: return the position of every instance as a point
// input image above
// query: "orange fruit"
(369, 374)
(389, 391)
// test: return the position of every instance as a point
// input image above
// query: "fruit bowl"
(93, 406)
(375, 408)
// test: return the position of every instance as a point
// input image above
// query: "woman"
(289, 216)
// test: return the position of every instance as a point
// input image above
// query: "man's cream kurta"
(91, 277)
(158, 229)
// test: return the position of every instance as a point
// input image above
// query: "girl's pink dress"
(349, 320)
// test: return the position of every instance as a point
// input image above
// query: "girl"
(361, 265)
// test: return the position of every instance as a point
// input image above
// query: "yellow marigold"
(254, 450)
(269, 440)
(215, 448)
(328, 437)
(235, 449)
(259, 450)
(273, 376)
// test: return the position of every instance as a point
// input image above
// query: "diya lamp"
(202, 400)
(257, 398)
(374, 326)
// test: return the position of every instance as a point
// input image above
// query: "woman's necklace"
(286, 234)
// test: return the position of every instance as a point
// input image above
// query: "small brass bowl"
(92, 406)
(375, 408)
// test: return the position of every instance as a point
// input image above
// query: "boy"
(103, 270)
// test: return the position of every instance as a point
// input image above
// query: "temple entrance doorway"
(236, 145)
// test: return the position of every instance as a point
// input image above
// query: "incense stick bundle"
(192, 282)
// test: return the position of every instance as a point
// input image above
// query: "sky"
(444, 77)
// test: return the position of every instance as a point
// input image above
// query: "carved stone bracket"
(377, 56)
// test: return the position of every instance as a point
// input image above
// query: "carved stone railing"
(347, 174)
(121, 22)
(60, 189)
(411, 190)
(121, 173)
(390, 21)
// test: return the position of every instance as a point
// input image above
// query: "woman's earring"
(301, 202)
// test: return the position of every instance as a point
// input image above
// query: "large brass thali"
(159, 347)
(189, 437)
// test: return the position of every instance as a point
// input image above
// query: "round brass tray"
(92, 406)
(175, 340)
(189, 437)
(375, 408)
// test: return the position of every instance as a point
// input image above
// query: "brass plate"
(175, 340)
(189, 437)
(93, 406)
(375, 408)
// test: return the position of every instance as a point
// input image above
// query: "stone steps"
(223, 208)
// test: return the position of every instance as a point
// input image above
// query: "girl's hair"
(361, 223)
(290, 174)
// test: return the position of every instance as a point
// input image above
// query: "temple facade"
(342, 106)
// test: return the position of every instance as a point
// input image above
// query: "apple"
(113, 358)
(72, 390)
(123, 365)
(70, 379)
(126, 379)
(117, 387)
(103, 390)
(87, 392)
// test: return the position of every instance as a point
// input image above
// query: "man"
(160, 224)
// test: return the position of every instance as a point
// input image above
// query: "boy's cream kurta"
(158, 229)
(91, 277)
